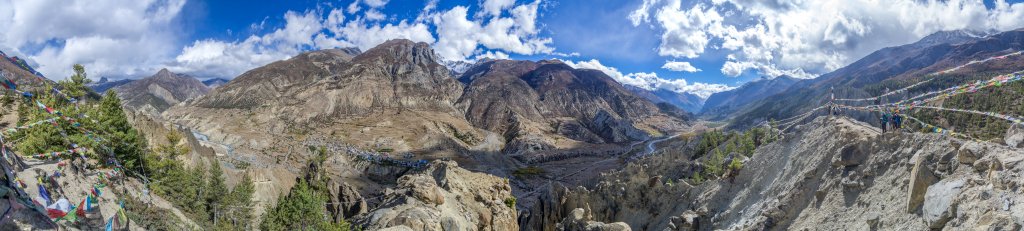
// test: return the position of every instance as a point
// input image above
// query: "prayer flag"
(9, 84)
(43, 193)
(71, 216)
(81, 208)
(58, 209)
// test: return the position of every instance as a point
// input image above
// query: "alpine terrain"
(512, 115)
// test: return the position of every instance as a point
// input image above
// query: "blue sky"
(690, 46)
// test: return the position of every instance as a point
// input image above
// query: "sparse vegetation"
(715, 146)
(303, 207)
(510, 202)
(528, 171)
(466, 137)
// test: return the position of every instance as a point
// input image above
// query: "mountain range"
(686, 101)
(893, 68)
(722, 104)
(398, 95)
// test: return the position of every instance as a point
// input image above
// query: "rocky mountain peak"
(161, 90)
(949, 37)
(401, 52)
(164, 72)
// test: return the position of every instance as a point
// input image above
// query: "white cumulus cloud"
(807, 38)
(461, 37)
(679, 66)
(108, 37)
(651, 81)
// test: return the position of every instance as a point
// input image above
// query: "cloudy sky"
(699, 47)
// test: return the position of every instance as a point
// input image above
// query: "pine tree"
(236, 211)
(302, 209)
(126, 142)
(216, 190)
(747, 143)
(75, 85)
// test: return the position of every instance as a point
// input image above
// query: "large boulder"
(1015, 136)
(970, 152)
(849, 156)
(939, 204)
(579, 221)
(920, 178)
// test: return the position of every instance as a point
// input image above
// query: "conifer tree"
(127, 143)
(216, 190)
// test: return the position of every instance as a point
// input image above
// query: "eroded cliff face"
(830, 174)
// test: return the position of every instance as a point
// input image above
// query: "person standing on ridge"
(832, 101)
(897, 120)
(885, 119)
(892, 120)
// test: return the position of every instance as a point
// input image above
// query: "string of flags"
(59, 154)
(932, 74)
(1017, 120)
(978, 61)
(939, 130)
(901, 90)
(798, 118)
(997, 81)
(30, 125)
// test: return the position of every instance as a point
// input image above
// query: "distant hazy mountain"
(105, 84)
(215, 82)
(160, 91)
(723, 103)
(457, 67)
(688, 102)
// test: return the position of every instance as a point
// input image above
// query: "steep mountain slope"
(723, 103)
(20, 72)
(893, 68)
(160, 91)
(686, 101)
(524, 100)
(829, 174)
(393, 97)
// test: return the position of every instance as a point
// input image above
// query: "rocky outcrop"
(445, 197)
(578, 221)
(939, 206)
(345, 201)
(1015, 136)
(920, 179)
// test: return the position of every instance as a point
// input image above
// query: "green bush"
(510, 202)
